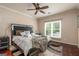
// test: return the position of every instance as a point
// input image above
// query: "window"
(53, 29)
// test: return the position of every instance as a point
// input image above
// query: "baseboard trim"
(65, 44)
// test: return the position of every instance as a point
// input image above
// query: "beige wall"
(78, 27)
(69, 23)
(69, 26)
(8, 16)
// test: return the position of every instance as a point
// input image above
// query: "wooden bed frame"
(15, 27)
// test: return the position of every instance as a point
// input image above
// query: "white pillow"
(33, 34)
(22, 33)
(36, 35)
(25, 33)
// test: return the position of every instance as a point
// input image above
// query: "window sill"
(55, 38)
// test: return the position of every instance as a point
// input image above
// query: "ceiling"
(53, 8)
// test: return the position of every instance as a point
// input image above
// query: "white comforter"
(25, 43)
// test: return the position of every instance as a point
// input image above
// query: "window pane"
(56, 26)
(53, 29)
(48, 29)
(48, 32)
(48, 26)
(56, 29)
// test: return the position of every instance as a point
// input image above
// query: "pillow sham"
(25, 33)
(22, 33)
(34, 34)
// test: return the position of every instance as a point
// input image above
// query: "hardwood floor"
(70, 50)
(67, 50)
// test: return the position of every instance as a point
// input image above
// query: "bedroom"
(15, 18)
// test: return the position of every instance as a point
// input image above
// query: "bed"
(25, 43)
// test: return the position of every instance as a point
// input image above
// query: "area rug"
(48, 52)
(3, 54)
(15, 51)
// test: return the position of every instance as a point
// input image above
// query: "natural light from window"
(53, 29)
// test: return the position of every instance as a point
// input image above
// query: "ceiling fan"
(38, 8)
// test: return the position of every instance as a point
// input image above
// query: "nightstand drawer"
(4, 44)
(3, 47)
(3, 40)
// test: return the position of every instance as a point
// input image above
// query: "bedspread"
(26, 43)
(23, 42)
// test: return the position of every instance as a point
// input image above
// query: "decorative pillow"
(18, 32)
(22, 33)
(25, 33)
(35, 35)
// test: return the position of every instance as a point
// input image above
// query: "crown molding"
(15, 11)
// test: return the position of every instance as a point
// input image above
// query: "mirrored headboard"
(16, 28)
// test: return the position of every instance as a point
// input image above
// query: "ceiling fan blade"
(45, 7)
(36, 12)
(31, 9)
(42, 11)
(38, 5)
(34, 5)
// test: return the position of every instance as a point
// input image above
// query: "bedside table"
(4, 43)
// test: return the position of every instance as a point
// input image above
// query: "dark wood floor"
(70, 50)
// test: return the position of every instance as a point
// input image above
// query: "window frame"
(52, 29)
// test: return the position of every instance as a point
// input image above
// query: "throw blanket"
(40, 42)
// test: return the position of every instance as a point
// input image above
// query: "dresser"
(4, 43)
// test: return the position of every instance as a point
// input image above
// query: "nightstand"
(4, 43)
